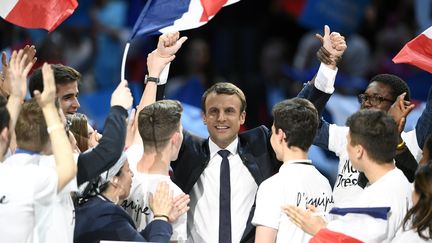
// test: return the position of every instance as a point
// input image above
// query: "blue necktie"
(224, 199)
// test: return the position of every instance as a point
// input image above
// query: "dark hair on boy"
(376, 131)
(62, 75)
(298, 119)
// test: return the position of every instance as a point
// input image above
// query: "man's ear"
(359, 151)
(114, 180)
(175, 137)
(203, 118)
(242, 117)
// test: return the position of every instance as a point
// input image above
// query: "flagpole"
(124, 61)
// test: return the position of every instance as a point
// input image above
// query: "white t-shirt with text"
(298, 183)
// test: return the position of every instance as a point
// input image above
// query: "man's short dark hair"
(376, 131)
(5, 116)
(62, 75)
(157, 122)
(298, 119)
(224, 88)
(397, 85)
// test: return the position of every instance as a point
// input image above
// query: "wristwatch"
(151, 79)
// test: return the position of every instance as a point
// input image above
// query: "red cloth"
(46, 14)
(328, 236)
(418, 51)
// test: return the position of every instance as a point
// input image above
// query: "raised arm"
(320, 88)
(16, 78)
(92, 163)
(65, 165)
(167, 47)
(157, 60)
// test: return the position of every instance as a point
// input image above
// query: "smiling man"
(66, 80)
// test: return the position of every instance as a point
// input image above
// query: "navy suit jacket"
(98, 219)
(254, 149)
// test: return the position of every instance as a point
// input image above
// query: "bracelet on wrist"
(401, 146)
(161, 216)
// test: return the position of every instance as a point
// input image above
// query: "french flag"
(418, 51)
(46, 14)
(356, 225)
(161, 16)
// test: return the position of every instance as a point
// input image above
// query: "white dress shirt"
(203, 223)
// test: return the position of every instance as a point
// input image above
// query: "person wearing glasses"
(385, 92)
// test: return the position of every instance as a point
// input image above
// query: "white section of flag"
(6, 6)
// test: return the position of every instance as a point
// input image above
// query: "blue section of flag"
(376, 212)
(158, 14)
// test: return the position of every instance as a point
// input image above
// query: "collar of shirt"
(214, 149)
(297, 161)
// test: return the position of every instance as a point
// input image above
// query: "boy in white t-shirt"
(160, 129)
(298, 181)
(161, 134)
(371, 146)
(23, 186)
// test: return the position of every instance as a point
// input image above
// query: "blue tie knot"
(224, 153)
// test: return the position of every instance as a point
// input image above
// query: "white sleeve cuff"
(325, 79)
(163, 77)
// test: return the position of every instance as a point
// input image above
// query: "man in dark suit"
(199, 169)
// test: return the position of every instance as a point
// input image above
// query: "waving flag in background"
(418, 51)
(161, 16)
(46, 14)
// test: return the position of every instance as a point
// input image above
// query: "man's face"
(378, 96)
(223, 118)
(68, 97)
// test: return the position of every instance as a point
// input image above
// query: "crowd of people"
(146, 178)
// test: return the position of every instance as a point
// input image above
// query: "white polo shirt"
(203, 223)
(298, 183)
(22, 188)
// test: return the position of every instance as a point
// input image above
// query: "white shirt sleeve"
(268, 207)
(163, 77)
(45, 185)
(325, 79)
(337, 139)
(410, 139)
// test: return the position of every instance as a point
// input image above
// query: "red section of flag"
(328, 236)
(211, 7)
(46, 14)
(417, 52)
